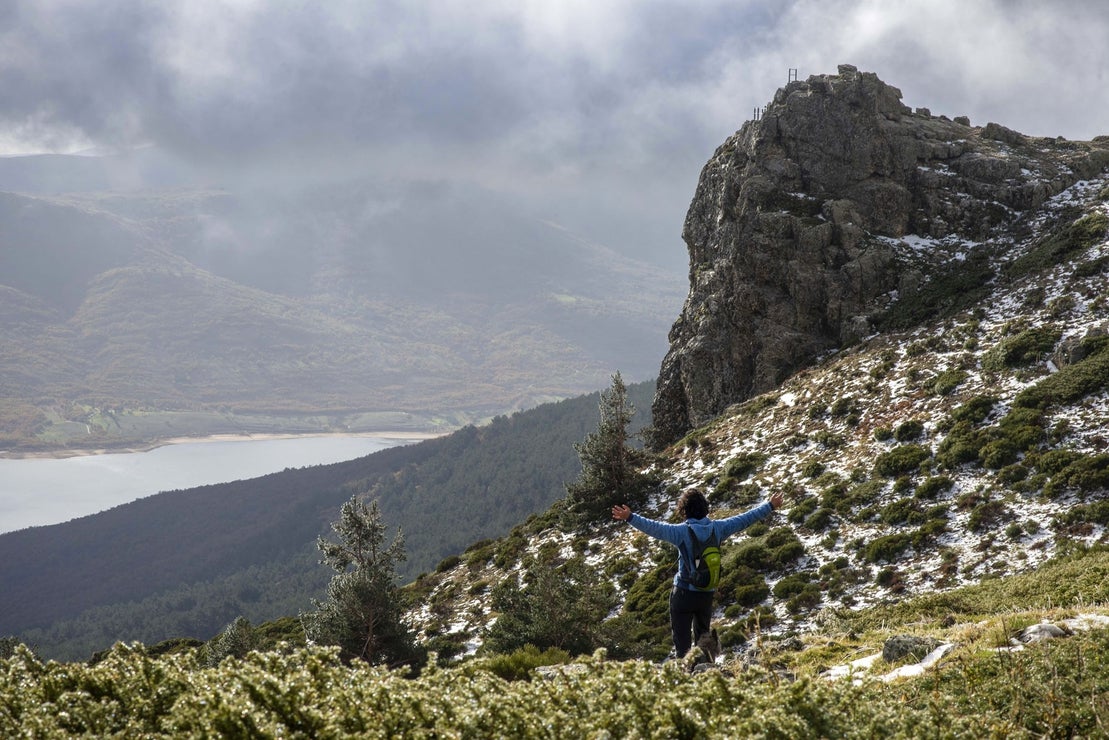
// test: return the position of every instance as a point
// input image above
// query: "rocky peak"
(793, 232)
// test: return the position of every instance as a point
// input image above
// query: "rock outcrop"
(794, 230)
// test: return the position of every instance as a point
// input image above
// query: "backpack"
(705, 561)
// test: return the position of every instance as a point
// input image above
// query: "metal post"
(757, 114)
(792, 74)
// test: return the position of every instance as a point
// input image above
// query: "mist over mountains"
(340, 297)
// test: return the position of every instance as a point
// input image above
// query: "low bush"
(988, 515)
(742, 465)
(1021, 350)
(1072, 383)
(946, 382)
(520, 665)
(909, 430)
(1062, 242)
(931, 488)
(901, 460)
(887, 549)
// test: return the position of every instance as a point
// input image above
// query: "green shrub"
(1096, 513)
(947, 381)
(742, 465)
(1023, 349)
(1061, 243)
(951, 288)
(932, 487)
(808, 598)
(909, 430)
(900, 512)
(1092, 267)
(887, 548)
(741, 585)
(812, 468)
(844, 500)
(829, 440)
(520, 664)
(480, 553)
(987, 515)
(1085, 473)
(786, 554)
(792, 584)
(928, 532)
(901, 460)
(447, 563)
(754, 555)
(1055, 461)
(1072, 383)
(975, 410)
(802, 509)
(962, 445)
(820, 519)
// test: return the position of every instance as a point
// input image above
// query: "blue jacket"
(678, 534)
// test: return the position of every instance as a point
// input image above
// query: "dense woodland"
(185, 563)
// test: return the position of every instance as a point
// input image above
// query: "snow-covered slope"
(867, 446)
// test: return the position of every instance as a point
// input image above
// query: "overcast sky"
(605, 109)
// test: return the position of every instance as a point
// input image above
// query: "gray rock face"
(785, 231)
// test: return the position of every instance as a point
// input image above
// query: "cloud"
(606, 109)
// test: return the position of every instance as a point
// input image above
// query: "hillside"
(959, 439)
(962, 440)
(129, 316)
(918, 358)
(185, 563)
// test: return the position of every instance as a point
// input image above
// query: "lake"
(39, 491)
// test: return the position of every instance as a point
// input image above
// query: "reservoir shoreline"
(125, 448)
(51, 489)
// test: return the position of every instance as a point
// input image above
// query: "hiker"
(689, 604)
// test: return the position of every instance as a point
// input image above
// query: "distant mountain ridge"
(343, 300)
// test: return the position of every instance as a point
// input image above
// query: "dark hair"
(693, 505)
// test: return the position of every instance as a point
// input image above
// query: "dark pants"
(689, 609)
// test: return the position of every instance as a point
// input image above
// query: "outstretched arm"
(733, 524)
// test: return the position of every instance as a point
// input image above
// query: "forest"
(185, 563)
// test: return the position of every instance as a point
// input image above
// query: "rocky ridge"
(869, 440)
(789, 231)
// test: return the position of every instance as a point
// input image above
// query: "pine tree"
(363, 613)
(611, 468)
(236, 640)
(558, 606)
